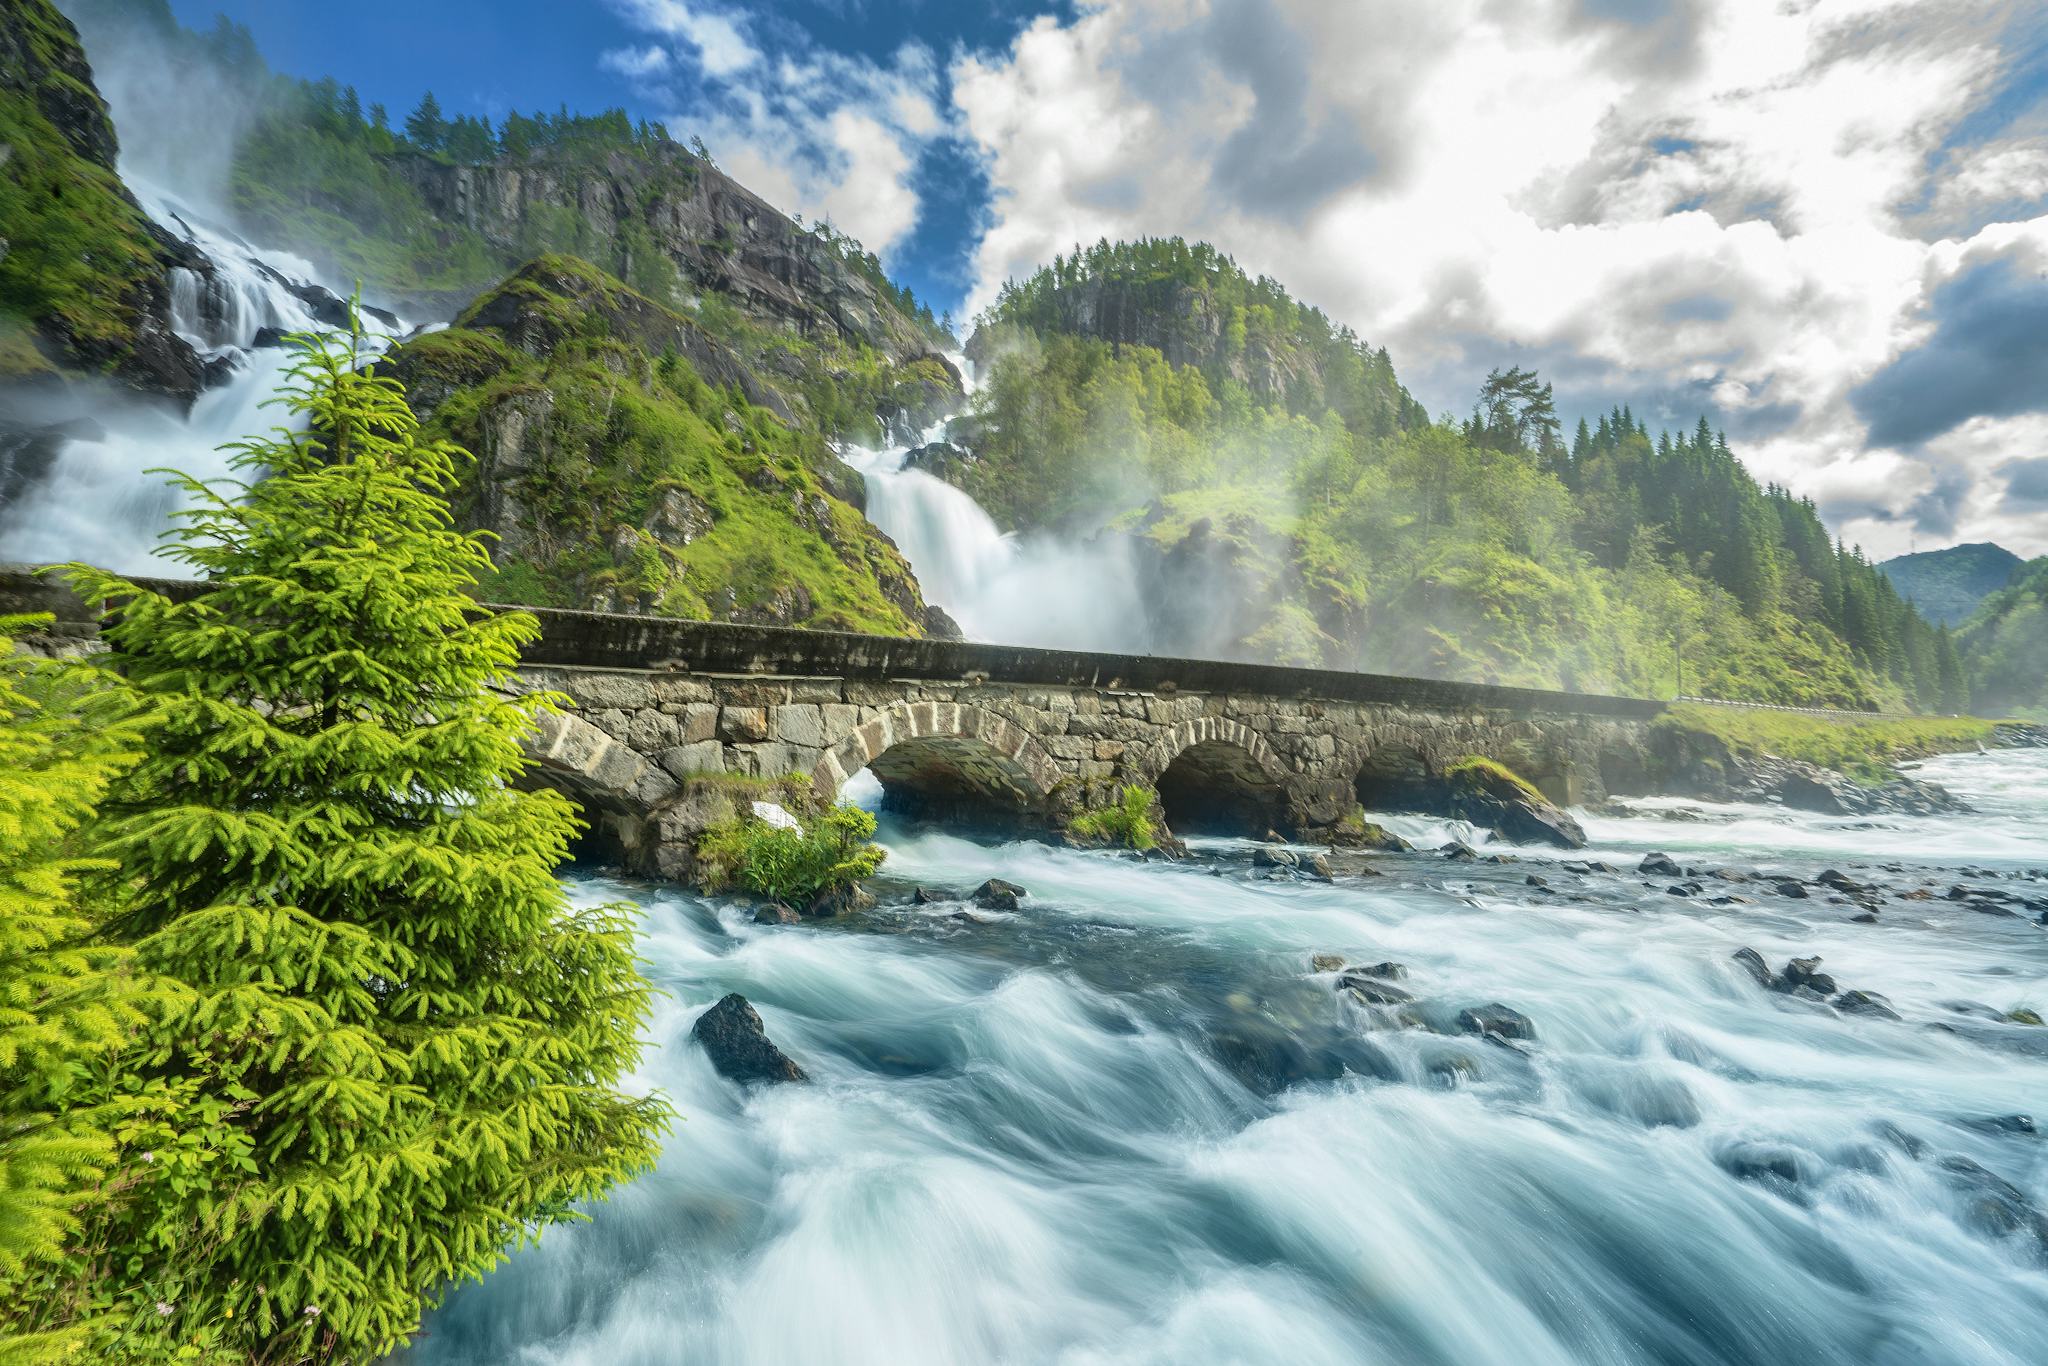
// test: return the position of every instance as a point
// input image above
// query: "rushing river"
(1129, 1124)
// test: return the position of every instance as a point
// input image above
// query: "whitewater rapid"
(1129, 1124)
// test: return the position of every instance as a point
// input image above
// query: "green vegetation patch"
(1867, 751)
(1477, 773)
(832, 853)
(1127, 821)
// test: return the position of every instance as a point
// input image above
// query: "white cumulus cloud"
(1686, 204)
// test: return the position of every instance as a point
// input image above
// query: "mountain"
(2005, 645)
(621, 467)
(1946, 585)
(430, 214)
(1283, 498)
(84, 274)
(659, 444)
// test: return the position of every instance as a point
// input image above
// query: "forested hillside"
(1946, 585)
(1288, 500)
(2005, 645)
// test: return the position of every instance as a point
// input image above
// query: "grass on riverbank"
(1867, 751)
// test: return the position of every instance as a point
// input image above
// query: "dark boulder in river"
(1496, 1021)
(998, 895)
(733, 1037)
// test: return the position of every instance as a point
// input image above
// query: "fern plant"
(393, 1047)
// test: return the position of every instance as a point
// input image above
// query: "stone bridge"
(1020, 740)
(669, 713)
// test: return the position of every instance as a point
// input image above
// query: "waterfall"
(1032, 589)
(99, 500)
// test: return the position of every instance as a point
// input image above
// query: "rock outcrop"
(720, 236)
(619, 472)
(85, 271)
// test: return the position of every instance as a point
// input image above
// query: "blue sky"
(1806, 221)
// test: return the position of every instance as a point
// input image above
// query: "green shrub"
(833, 853)
(1126, 821)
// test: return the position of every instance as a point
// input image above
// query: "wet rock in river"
(1266, 856)
(1660, 865)
(1841, 882)
(2005, 1124)
(1994, 1206)
(835, 901)
(1804, 973)
(1753, 963)
(1269, 1060)
(998, 895)
(1319, 869)
(1864, 1003)
(1772, 1164)
(1386, 972)
(1326, 962)
(733, 1037)
(1496, 1021)
(1460, 851)
(777, 913)
(1372, 991)
(1795, 890)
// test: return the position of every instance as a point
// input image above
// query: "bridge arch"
(1216, 776)
(614, 784)
(1398, 773)
(949, 760)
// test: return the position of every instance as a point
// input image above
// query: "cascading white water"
(100, 502)
(1129, 1125)
(1020, 590)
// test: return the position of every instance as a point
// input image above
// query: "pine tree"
(401, 1039)
(425, 126)
(66, 1006)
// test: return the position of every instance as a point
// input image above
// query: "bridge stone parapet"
(1006, 737)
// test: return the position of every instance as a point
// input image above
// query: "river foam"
(1128, 1124)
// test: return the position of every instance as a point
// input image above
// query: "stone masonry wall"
(637, 742)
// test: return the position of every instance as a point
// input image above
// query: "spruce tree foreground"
(66, 1003)
(382, 1045)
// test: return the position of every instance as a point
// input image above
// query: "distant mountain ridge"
(1947, 585)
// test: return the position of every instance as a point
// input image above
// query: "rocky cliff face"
(720, 235)
(1179, 320)
(84, 273)
(618, 473)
